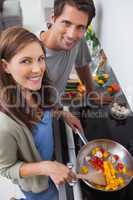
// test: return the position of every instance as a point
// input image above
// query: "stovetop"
(70, 144)
(97, 123)
(95, 127)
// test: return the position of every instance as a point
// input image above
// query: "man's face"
(69, 27)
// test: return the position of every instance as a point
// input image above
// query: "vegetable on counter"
(113, 88)
(101, 78)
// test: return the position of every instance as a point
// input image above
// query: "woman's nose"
(36, 68)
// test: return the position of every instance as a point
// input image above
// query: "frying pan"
(110, 146)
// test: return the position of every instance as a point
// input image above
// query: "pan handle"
(82, 136)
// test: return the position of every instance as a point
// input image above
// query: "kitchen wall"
(35, 13)
(113, 25)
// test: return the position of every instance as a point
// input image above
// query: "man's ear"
(42, 35)
(5, 66)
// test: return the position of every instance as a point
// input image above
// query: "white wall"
(33, 14)
(114, 27)
(48, 3)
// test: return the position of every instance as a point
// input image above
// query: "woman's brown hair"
(12, 102)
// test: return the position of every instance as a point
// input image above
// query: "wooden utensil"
(129, 173)
(96, 177)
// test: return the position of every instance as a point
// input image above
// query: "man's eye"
(66, 23)
(82, 28)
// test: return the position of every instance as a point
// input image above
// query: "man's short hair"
(83, 5)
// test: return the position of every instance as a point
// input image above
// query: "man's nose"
(72, 33)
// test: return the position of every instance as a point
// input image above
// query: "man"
(65, 43)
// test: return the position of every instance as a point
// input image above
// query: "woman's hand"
(72, 121)
(58, 172)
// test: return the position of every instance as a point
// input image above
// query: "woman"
(26, 137)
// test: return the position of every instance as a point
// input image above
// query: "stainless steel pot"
(112, 147)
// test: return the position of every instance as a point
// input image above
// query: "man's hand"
(72, 121)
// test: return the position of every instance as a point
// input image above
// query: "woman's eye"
(42, 59)
(25, 61)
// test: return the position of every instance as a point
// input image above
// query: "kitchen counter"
(98, 123)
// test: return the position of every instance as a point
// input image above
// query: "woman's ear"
(5, 66)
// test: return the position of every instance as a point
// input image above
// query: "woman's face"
(27, 67)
